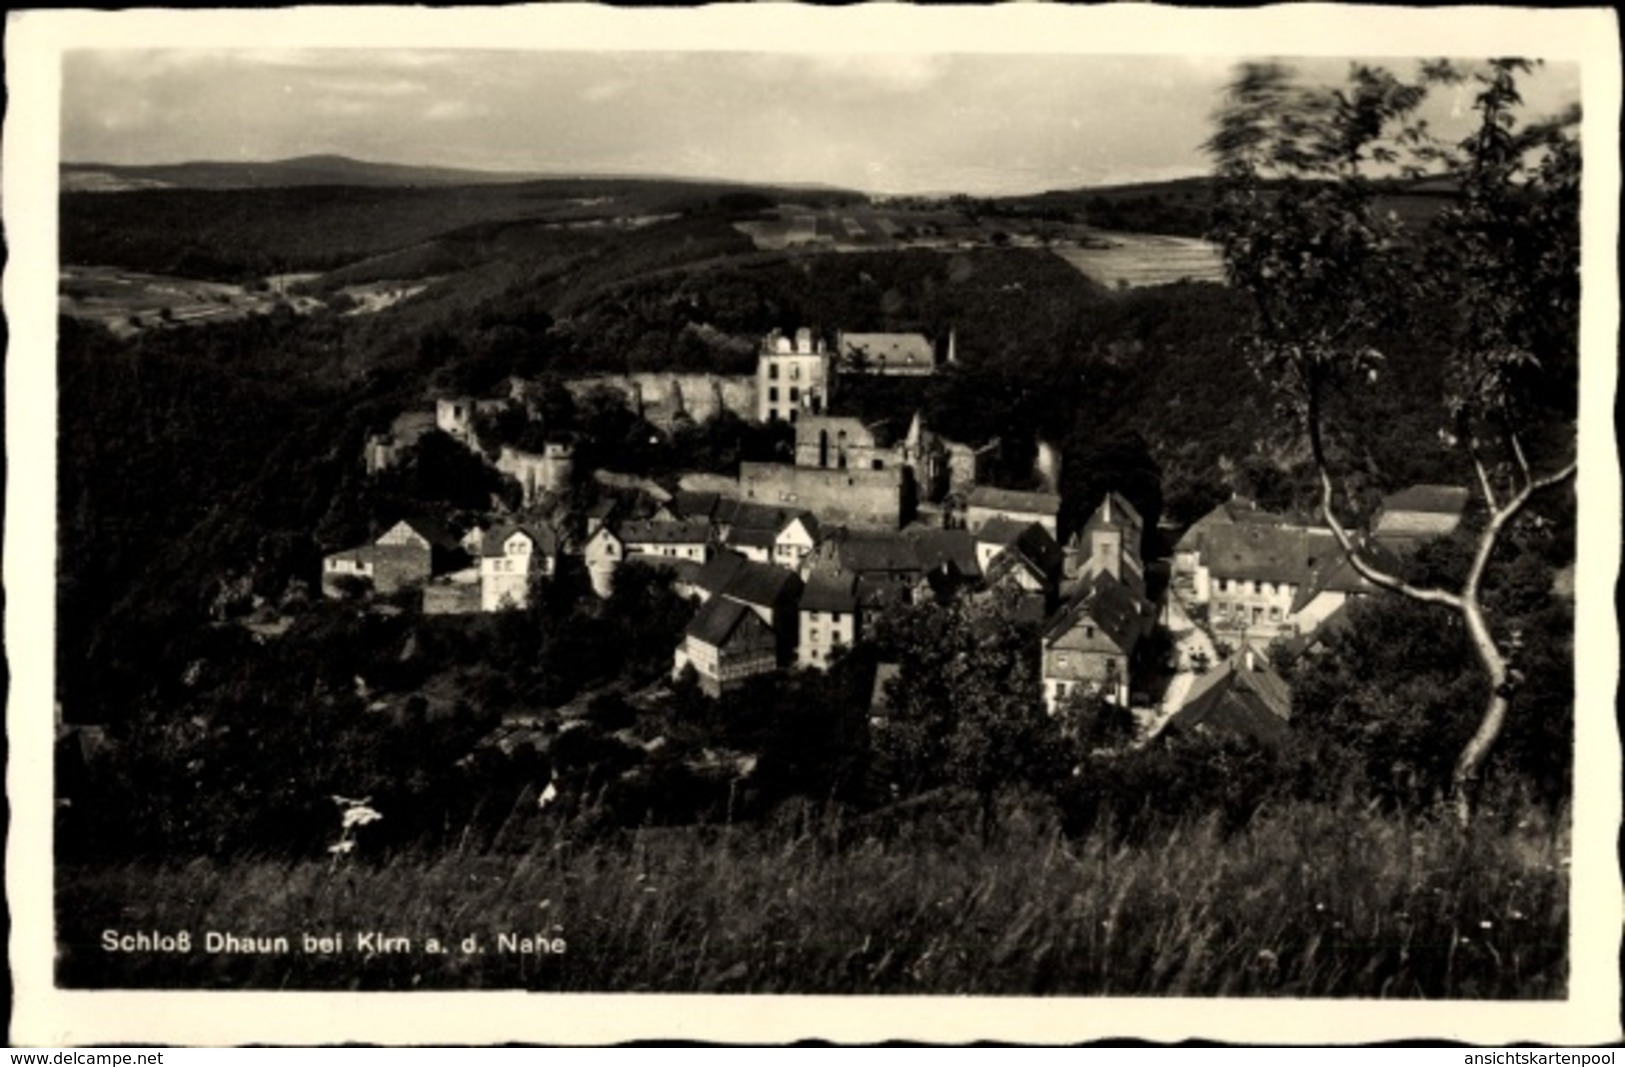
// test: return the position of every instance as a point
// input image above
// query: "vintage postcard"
(1038, 524)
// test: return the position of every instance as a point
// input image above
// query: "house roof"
(985, 496)
(1433, 499)
(1266, 553)
(752, 536)
(719, 571)
(1034, 549)
(955, 549)
(1001, 531)
(1109, 604)
(830, 592)
(680, 532)
(543, 536)
(1236, 510)
(808, 520)
(891, 349)
(603, 509)
(1335, 574)
(1244, 695)
(866, 552)
(760, 584)
(694, 505)
(719, 619)
(430, 529)
(749, 513)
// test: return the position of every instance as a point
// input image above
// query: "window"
(795, 372)
(773, 372)
(1275, 614)
(1224, 585)
(773, 394)
(795, 394)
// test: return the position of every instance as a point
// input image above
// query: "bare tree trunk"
(1464, 780)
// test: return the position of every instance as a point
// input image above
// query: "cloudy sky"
(882, 122)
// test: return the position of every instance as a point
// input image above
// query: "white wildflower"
(360, 815)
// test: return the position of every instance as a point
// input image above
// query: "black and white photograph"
(1023, 523)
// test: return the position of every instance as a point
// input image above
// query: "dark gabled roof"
(542, 535)
(1334, 573)
(752, 536)
(1106, 602)
(719, 571)
(1036, 546)
(1266, 553)
(1033, 549)
(866, 552)
(430, 529)
(984, 496)
(955, 549)
(695, 505)
(720, 618)
(1235, 511)
(1434, 499)
(749, 513)
(808, 520)
(1001, 531)
(681, 532)
(1242, 696)
(830, 592)
(761, 584)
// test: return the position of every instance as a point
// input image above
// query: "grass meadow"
(1309, 901)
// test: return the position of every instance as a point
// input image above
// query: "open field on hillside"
(1119, 260)
(128, 301)
(859, 227)
(1308, 901)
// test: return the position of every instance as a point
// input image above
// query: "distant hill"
(302, 170)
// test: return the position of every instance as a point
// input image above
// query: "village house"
(985, 503)
(726, 643)
(828, 615)
(1411, 517)
(1189, 577)
(682, 540)
(1243, 697)
(1022, 557)
(794, 377)
(886, 565)
(513, 555)
(603, 554)
(1089, 645)
(795, 540)
(893, 354)
(1263, 576)
(723, 649)
(406, 554)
